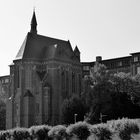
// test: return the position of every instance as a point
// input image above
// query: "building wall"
(129, 64)
(38, 90)
(49, 83)
(4, 87)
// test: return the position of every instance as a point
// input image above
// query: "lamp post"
(101, 117)
(75, 115)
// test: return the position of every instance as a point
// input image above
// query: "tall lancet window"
(73, 82)
(28, 80)
(79, 77)
(67, 82)
(63, 81)
(18, 77)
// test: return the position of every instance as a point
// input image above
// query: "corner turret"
(77, 53)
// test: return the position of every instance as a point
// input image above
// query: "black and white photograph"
(70, 70)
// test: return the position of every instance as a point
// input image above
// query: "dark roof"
(76, 49)
(117, 59)
(112, 59)
(38, 47)
(5, 76)
(135, 53)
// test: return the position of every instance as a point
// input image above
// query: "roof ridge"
(51, 38)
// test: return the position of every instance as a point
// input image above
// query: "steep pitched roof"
(76, 49)
(38, 47)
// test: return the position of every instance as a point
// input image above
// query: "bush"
(102, 131)
(125, 128)
(40, 132)
(15, 134)
(3, 135)
(58, 131)
(72, 106)
(20, 133)
(80, 129)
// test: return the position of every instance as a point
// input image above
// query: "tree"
(124, 82)
(99, 96)
(73, 106)
(99, 73)
(122, 106)
(111, 94)
(2, 115)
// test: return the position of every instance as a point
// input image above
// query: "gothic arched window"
(73, 82)
(63, 80)
(18, 77)
(67, 81)
(79, 77)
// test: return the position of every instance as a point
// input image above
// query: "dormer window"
(135, 58)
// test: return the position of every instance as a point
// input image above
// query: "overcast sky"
(107, 28)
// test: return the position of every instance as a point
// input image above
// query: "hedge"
(80, 129)
(122, 128)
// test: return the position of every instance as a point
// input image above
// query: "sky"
(107, 28)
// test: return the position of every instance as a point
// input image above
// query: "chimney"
(98, 58)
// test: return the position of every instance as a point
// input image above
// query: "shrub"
(72, 106)
(41, 132)
(3, 135)
(19, 133)
(58, 131)
(102, 131)
(125, 128)
(80, 129)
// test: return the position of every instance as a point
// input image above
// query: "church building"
(44, 73)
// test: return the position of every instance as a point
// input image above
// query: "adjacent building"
(129, 64)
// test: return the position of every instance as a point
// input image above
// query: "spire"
(33, 24)
(76, 49)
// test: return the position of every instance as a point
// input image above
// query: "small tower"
(77, 53)
(33, 24)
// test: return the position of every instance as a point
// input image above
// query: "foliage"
(125, 128)
(102, 132)
(20, 133)
(80, 129)
(73, 106)
(115, 95)
(124, 83)
(123, 106)
(2, 115)
(99, 73)
(41, 132)
(58, 131)
(3, 135)
(98, 98)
